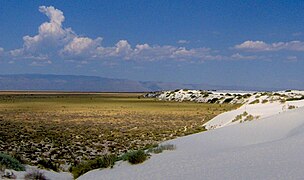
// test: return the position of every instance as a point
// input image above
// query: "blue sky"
(244, 43)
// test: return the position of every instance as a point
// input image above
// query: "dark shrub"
(161, 148)
(213, 100)
(255, 101)
(102, 162)
(295, 99)
(48, 164)
(228, 100)
(35, 175)
(19, 158)
(10, 162)
(136, 157)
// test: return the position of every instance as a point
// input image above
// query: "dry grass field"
(65, 128)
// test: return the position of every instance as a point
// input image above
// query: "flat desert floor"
(65, 128)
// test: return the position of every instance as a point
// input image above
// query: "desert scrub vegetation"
(295, 98)
(9, 162)
(161, 148)
(240, 116)
(86, 166)
(291, 107)
(35, 175)
(47, 164)
(249, 118)
(245, 117)
(55, 131)
(135, 157)
(256, 101)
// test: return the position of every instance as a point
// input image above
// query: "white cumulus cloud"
(81, 46)
(262, 46)
(54, 41)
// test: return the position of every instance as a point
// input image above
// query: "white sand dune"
(259, 111)
(269, 148)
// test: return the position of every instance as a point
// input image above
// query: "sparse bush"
(48, 164)
(237, 118)
(35, 175)
(135, 157)
(291, 107)
(214, 100)
(264, 101)
(249, 118)
(240, 116)
(10, 162)
(228, 100)
(19, 158)
(295, 99)
(245, 113)
(255, 101)
(161, 148)
(150, 146)
(246, 95)
(205, 95)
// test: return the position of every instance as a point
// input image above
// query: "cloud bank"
(54, 42)
(263, 47)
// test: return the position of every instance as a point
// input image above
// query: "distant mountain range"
(47, 82)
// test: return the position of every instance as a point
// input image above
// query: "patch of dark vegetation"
(135, 157)
(228, 100)
(255, 101)
(291, 107)
(9, 162)
(35, 175)
(213, 100)
(246, 95)
(48, 164)
(161, 148)
(86, 166)
(295, 99)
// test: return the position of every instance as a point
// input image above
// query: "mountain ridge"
(52, 82)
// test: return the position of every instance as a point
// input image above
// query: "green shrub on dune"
(134, 157)
(86, 166)
(10, 162)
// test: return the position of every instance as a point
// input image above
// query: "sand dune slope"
(270, 148)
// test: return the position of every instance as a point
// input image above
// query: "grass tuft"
(161, 148)
(36, 175)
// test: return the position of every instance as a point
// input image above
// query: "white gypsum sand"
(269, 148)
